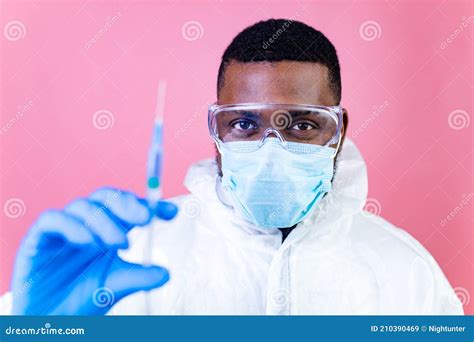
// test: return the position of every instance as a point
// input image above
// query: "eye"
(303, 126)
(243, 125)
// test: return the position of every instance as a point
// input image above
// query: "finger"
(100, 221)
(126, 206)
(166, 210)
(55, 222)
(126, 278)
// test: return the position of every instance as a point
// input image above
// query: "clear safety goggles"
(307, 124)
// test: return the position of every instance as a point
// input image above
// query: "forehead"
(278, 82)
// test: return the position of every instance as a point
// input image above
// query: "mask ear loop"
(338, 145)
(218, 145)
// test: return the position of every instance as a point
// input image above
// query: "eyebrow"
(246, 113)
(296, 114)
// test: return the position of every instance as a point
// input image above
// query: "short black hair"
(277, 40)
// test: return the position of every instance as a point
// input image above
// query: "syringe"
(156, 149)
(154, 169)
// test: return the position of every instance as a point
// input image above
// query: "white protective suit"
(339, 260)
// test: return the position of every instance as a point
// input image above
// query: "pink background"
(408, 89)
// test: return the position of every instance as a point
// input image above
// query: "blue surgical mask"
(276, 185)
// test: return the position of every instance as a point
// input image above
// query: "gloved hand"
(68, 262)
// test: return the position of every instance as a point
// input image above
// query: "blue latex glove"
(68, 263)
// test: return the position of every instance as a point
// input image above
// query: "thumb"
(165, 210)
(125, 278)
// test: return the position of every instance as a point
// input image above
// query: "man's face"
(286, 82)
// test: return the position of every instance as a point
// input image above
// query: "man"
(274, 225)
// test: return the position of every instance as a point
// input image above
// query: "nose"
(273, 132)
